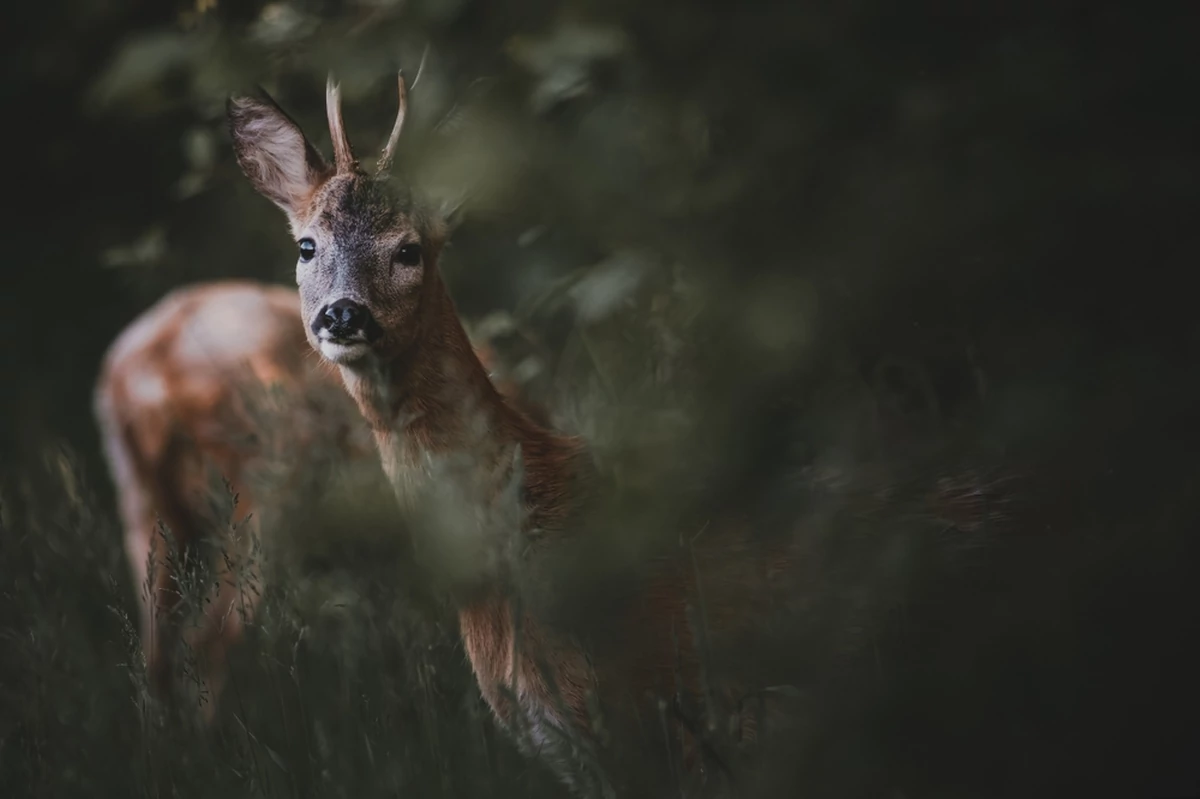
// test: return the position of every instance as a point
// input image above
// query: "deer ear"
(274, 153)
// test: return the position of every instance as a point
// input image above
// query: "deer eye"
(308, 248)
(408, 255)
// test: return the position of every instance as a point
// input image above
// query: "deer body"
(544, 675)
(374, 305)
(175, 400)
(179, 398)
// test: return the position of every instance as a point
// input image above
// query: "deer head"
(366, 253)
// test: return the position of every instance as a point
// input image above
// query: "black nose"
(344, 317)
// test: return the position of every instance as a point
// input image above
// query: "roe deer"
(177, 396)
(375, 305)
(570, 690)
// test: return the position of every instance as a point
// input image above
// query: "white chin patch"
(344, 353)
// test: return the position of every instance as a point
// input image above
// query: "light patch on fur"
(147, 388)
(365, 382)
(343, 353)
(227, 329)
(410, 473)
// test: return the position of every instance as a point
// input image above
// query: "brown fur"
(174, 399)
(425, 395)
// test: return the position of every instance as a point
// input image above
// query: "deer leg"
(231, 608)
(147, 548)
(144, 487)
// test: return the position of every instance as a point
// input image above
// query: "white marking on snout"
(343, 352)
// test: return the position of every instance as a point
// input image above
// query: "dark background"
(975, 220)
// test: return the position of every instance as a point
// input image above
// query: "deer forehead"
(350, 205)
(365, 211)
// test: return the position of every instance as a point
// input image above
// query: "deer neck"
(435, 403)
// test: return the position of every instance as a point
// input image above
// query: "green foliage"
(884, 276)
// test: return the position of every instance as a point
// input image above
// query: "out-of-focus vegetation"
(811, 262)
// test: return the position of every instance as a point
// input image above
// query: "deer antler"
(343, 155)
(389, 149)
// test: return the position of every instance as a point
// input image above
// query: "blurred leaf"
(142, 62)
(608, 284)
(147, 250)
(282, 23)
(563, 60)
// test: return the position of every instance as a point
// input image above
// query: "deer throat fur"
(438, 419)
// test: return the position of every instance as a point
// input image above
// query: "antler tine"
(389, 149)
(343, 155)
